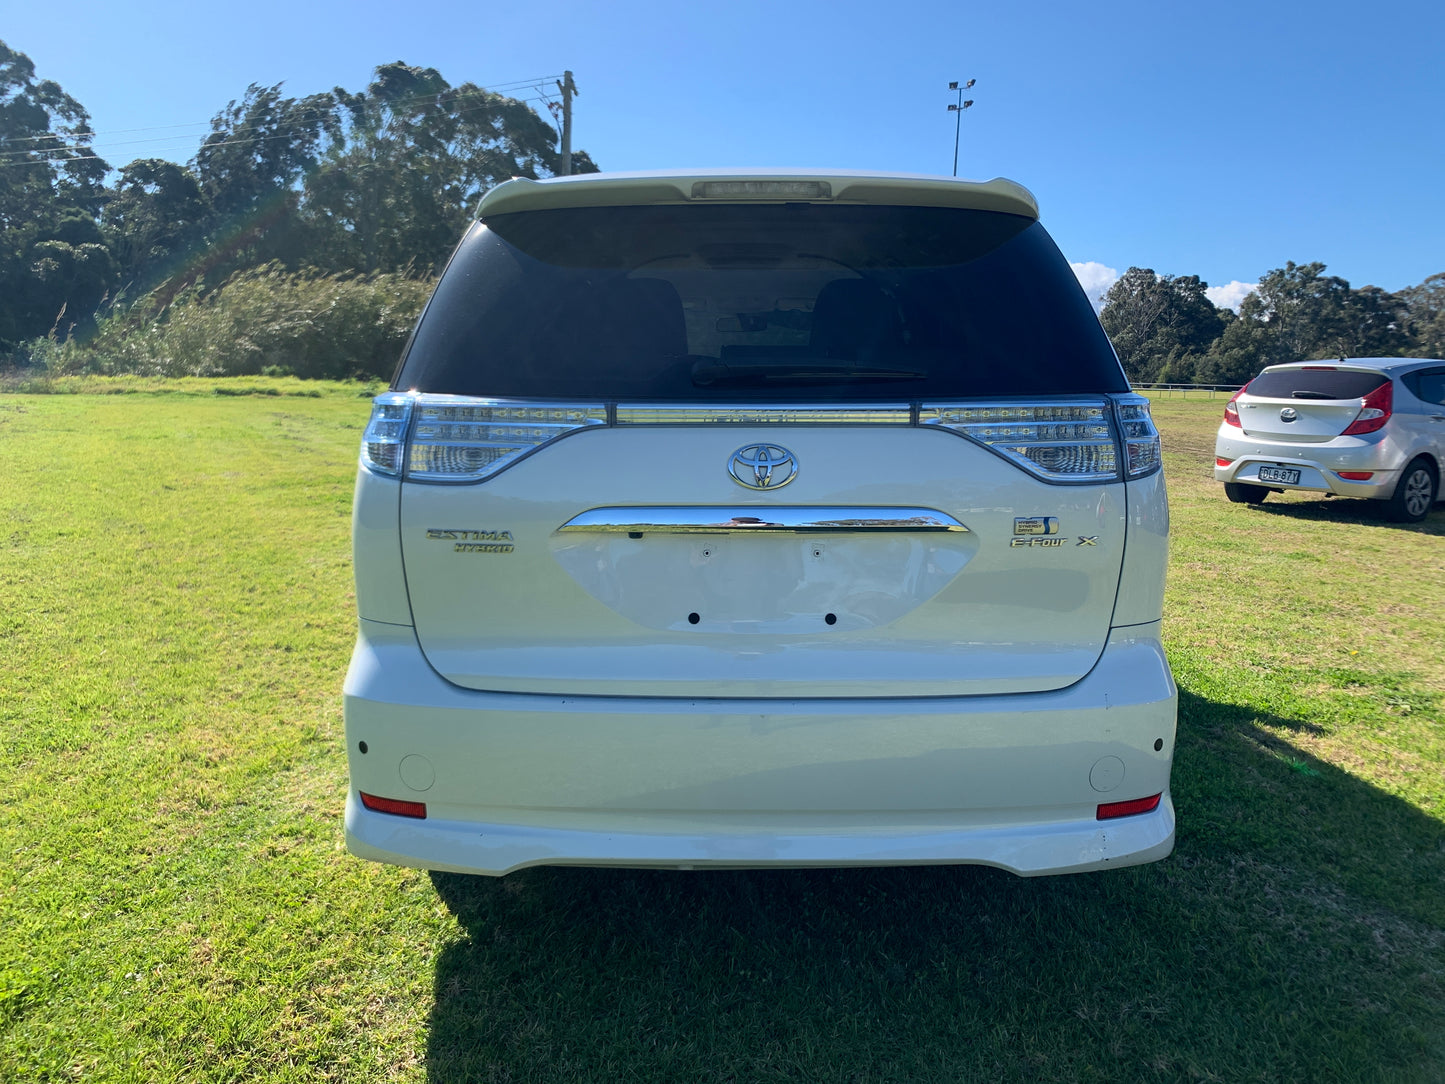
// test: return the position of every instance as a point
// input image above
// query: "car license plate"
(1279, 474)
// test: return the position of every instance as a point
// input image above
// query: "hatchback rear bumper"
(1313, 477)
(1319, 464)
(513, 780)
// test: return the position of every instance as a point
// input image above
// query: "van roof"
(757, 186)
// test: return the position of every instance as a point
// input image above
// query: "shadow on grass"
(1296, 934)
(1352, 511)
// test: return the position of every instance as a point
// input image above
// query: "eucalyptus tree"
(250, 171)
(154, 222)
(1160, 321)
(54, 268)
(1424, 307)
(1300, 313)
(413, 158)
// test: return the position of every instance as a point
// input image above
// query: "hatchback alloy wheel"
(1416, 494)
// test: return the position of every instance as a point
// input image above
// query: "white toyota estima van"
(756, 519)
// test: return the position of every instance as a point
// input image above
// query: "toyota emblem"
(762, 466)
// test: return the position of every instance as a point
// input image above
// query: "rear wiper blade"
(1311, 395)
(712, 374)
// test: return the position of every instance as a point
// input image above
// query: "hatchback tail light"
(1375, 411)
(1231, 412)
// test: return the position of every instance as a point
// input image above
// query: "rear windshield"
(796, 302)
(1315, 384)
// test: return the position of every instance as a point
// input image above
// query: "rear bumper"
(513, 780)
(1319, 464)
(1313, 478)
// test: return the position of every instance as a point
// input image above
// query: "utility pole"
(958, 119)
(569, 88)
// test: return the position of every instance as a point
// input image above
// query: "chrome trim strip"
(743, 414)
(720, 519)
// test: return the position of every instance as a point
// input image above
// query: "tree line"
(372, 183)
(303, 235)
(1167, 331)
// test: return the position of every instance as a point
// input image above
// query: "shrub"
(263, 321)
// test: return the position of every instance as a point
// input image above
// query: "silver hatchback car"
(1360, 427)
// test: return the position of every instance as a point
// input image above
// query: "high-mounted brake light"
(1231, 412)
(1110, 810)
(1375, 411)
(762, 190)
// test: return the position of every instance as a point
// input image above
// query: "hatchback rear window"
(796, 302)
(1315, 384)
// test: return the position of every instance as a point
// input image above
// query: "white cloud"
(1232, 295)
(1096, 279)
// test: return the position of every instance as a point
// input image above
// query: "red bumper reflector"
(1222, 462)
(1110, 810)
(1356, 475)
(397, 806)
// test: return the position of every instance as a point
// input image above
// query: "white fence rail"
(1183, 391)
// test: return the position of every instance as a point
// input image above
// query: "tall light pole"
(958, 120)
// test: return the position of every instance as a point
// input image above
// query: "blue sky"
(1219, 139)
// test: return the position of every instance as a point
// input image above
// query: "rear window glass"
(1315, 384)
(796, 302)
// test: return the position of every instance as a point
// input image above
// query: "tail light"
(452, 438)
(448, 438)
(384, 442)
(1375, 411)
(457, 439)
(1060, 442)
(1141, 438)
(1231, 412)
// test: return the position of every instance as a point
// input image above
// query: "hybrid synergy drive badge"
(1036, 525)
(1036, 532)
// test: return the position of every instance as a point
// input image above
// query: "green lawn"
(176, 902)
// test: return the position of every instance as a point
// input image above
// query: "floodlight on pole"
(958, 119)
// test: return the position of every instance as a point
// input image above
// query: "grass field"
(176, 902)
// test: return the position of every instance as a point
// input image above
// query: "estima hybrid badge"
(762, 466)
